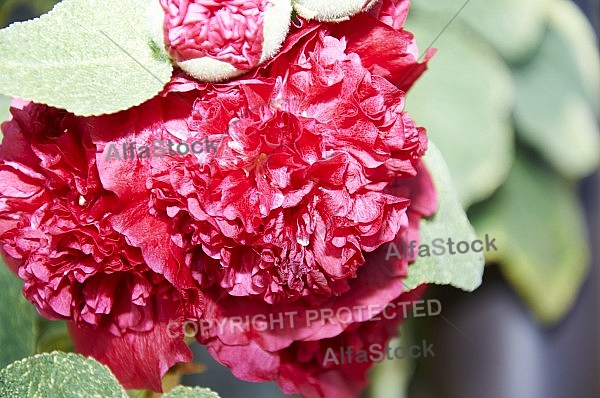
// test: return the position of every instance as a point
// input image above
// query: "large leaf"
(59, 375)
(464, 100)
(579, 37)
(463, 271)
(513, 27)
(558, 94)
(189, 392)
(18, 327)
(544, 253)
(87, 56)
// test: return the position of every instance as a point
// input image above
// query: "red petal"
(138, 360)
(383, 50)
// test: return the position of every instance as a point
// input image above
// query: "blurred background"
(512, 100)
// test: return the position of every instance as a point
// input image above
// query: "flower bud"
(331, 10)
(213, 40)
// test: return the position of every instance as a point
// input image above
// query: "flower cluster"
(291, 213)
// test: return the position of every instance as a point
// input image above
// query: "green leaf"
(558, 95)
(85, 56)
(579, 37)
(5, 8)
(464, 100)
(42, 6)
(513, 27)
(53, 336)
(463, 271)
(4, 109)
(188, 392)
(18, 319)
(391, 379)
(59, 375)
(544, 252)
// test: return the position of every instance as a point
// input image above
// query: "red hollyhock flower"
(328, 83)
(280, 342)
(317, 167)
(58, 233)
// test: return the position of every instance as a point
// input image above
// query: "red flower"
(315, 167)
(293, 175)
(286, 342)
(323, 76)
(58, 226)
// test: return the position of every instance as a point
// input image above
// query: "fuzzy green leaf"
(59, 375)
(463, 271)
(87, 56)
